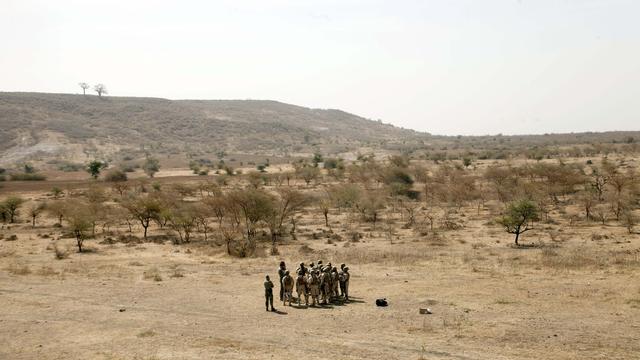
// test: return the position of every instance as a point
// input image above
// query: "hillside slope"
(54, 123)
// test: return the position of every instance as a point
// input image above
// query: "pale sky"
(447, 67)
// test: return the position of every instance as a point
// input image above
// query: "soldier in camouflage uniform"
(346, 276)
(325, 285)
(287, 284)
(341, 279)
(335, 282)
(314, 286)
(281, 271)
(302, 288)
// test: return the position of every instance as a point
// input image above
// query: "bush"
(69, 167)
(61, 252)
(115, 175)
(27, 177)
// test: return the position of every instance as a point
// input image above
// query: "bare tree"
(35, 210)
(100, 89)
(84, 87)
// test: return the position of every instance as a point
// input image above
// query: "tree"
(324, 203)
(84, 87)
(519, 217)
(58, 209)
(284, 206)
(182, 219)
(151, 166)
(255, 205)
(144, 209)
(36, 210)
(629, 220)
(79, 222)
(100, 89)
(94, 168)
(11, 205)
(308, 173)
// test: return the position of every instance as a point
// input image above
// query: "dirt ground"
(574, 295)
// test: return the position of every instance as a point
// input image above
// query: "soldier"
(325, 285)
(287, 284)
(335, 282)
(302, 288)
(281, 271)
(346, 282)
(313, 283)
(341, 279)
(268, 294)
(319, 265)
(301, 270)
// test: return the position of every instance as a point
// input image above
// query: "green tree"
(94, 168)
(144, 209)
(11, 205)
(519, 217)
(151, 166)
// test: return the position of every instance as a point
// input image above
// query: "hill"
(65, 125)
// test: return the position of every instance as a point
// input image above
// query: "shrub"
(115, 175)
(27, 177)
(61, 252)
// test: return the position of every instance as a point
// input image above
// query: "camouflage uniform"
(301, 270)
(314, 286)
(287, 284)
(341, 279)
(302, 289)
(281, 271)
(325, 285)
(335, 282)
(346, 276)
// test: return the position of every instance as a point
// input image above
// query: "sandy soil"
(489, 299)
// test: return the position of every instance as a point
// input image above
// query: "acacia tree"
(35, 210)
(182, 219)
(100, 89)
(58, 209)
(151, 166)
(254, 206)
(84, 87)
(308, 173)
(144, 209)
(11, 205)
(324, 202)
(284, 206)
(519, 217)
(79, 221)
(94, 168)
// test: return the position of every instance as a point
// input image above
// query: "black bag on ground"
(381, 302)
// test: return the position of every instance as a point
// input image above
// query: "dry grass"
(403, 256)
(152, 274)
(60, 251)
(581, 258)
(17, 269)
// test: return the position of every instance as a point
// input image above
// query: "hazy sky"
(446, 67)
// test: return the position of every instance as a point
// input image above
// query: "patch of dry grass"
(581, 258)
(153, 274)
(402, 256)
(17, 269)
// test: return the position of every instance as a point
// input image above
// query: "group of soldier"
(322, 284)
